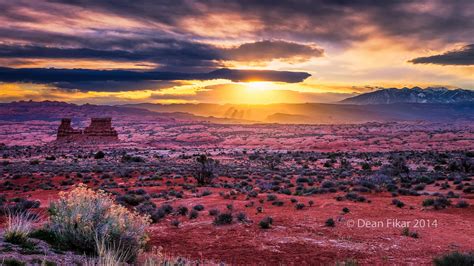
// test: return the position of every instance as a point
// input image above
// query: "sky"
(244, 51)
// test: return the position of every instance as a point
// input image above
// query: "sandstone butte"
(100, 129)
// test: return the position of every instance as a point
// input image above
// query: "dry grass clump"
(18, 226)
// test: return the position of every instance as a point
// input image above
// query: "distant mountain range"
(304, 113)
(54, 111)
(413, 95)
(320, 113)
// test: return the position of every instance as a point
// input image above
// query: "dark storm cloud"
(464, 56)
(171, 54)
(104, 80)
(317, 20)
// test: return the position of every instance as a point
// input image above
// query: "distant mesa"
(100, 130)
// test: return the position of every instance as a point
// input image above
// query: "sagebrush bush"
(80, 217)
(223, 219)
(266, 222)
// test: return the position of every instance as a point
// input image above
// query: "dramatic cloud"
(325, 20)
(79, 78)
(464, 56)
(269, 50)
(172, 54)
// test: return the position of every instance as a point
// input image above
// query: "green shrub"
(406, 232)
(99, 155)
(12, 262)
(330, 222)
(455, 258)
(266, 222)
(223, 219)
(82, 217)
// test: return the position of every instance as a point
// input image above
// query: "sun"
(258, 85)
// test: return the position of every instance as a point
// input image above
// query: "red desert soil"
(301, 237)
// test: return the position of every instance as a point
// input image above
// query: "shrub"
(438, 203)
(13, 262)
(213, 212)
(182, 210)
(428, 202)
(299, 206)
(193, 214)
(345, 210)
(266, 222)
(398, 203)
(157, 215)
(278, 203)
(242, 217)
(406, 232)
(204, 173)
(441, 203)
(81, 217)
(455, 258)
(223, 219)
(18, 227)
(167, 208)
(199, 207)
(462, 204)
(175, 223)
(99, 155)
(330, 222)
(271, 197)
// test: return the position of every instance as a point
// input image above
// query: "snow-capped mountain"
(413, 95)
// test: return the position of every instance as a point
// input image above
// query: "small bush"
(81, 217)
(299, 206)
(428, 202)
(12, 262)
(271, 197)
(242, 217)
(398, 203)
(198, 207)
(175, 223)
(182, 210)
(438, 203)
(455, 258)
(462, 204)
(330, 222)
(278, 203)
(223, 219)
(99, 155)
(193, 214)
(406, 232)
(266, 222)
(345, 210)
(214, 212)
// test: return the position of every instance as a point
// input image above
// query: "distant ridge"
(413, 95)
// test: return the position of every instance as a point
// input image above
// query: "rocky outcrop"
(65, 130)
(100, 129)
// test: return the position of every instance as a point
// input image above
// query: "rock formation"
(100, 129)
(65, 130)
